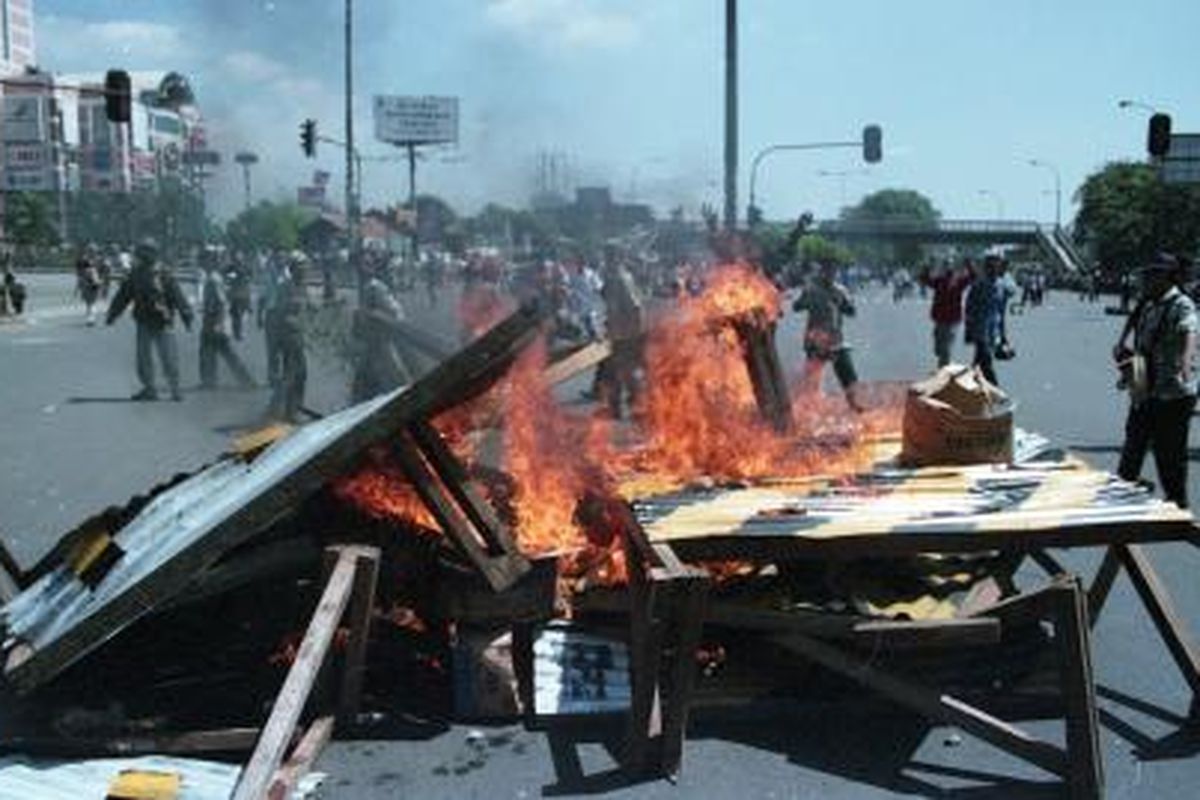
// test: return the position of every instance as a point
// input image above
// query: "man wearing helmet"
(156, 299)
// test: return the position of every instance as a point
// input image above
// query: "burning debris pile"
(700, 419)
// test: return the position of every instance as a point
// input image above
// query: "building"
(16, 36)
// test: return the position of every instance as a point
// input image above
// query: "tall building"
(16, 36)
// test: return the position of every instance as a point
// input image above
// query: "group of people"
(975, 297)
(158, 303)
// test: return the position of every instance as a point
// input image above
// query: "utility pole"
(412, 199)
(731, 114)
(351, 201)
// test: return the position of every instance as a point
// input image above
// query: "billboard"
(416, 120)
(1182, 162)
(311, 196)
(23, 118)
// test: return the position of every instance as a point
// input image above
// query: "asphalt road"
(61, 461)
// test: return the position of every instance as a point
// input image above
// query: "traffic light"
(872, 144)
(118, 96)
(1158, 140)
(308, 137)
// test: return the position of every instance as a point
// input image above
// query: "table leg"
(1157, 601)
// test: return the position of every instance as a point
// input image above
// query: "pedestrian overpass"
(1052, 240)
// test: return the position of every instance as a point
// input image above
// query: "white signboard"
(416, 120)
(23, 118)
(1182, 163)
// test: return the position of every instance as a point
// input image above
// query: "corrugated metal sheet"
(28, 779)
(171, 522)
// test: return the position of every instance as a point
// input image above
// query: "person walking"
(985, 318)
(616, 380)
(87, 281)
(214, 329)
(1160, 409)
(946, 311)
(237, 276)
(157, 300)
(828, 304)
(291, 309)
(379, 366)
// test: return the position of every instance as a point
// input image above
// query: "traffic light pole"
(412, 200)
(731, 114)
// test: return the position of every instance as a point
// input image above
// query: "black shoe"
(176, 396)
(145, 395)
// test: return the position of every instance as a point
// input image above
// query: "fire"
(696, 420)
(380, 490)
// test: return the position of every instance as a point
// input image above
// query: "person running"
(828, 304)
(1160, 410)
(157, 300)
(946, 311)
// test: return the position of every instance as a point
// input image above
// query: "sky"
(631, 91)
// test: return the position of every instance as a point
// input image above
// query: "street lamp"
(842, 174)
(996, 198)
(1036, 162)
(247, 160)
(775, 148)
(1137, 104)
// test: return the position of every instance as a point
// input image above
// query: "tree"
(815, 249)
(268, 225)
(1126, 214)
(29, 219)
(894, 205)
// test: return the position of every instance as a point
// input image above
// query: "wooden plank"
(495, 533)
(686, 623)
(1157, 601)
(276, 558)
(1073, 630)
(362, 605)
(459, 378)
(501, 572)
(302, 759)
(757, 336)
(931, 704)
(586, 357)
(1102, 584)
(763, 546)
(289, 705)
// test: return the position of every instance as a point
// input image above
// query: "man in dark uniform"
(379, 367)
(291, 308)
(156, 300)
(238, 277)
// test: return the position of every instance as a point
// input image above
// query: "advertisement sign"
(26, 157)
(1182, 163)
(201, 158)
(416, 120)
(311, 196)
(23, 118)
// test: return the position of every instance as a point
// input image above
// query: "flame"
(696, 420)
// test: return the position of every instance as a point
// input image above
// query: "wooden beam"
(1157, 601)
(757, 336)
(495, 534)
(1102, 584)
(931, 704)
(501, 571)
(685, 622)
(302, 759)
(1047, 562)
(362, 603)
(220, 740)
(1073, 635)
(256, 778)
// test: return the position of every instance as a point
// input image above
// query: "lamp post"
(998, 201)
(246, 159)
(1036, 162)
(775, 148)
(841, 174)
(1137, 104)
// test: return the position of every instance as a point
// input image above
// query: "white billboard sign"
(416, 120)
(1182, 163)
